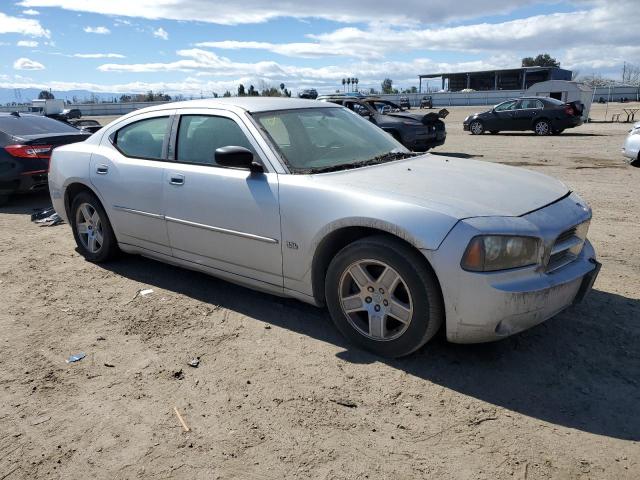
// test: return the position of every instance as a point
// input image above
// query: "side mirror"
(237, 157)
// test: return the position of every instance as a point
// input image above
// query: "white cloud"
(23, 26)
(256, 11)
(161, 33)
(27, 43)
(30, 11)
(98, 55)
(98, 30)
(27, 64)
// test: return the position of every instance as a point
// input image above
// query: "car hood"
(453, 186)
(420, 117)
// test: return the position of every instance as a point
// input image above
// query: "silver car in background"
(631, 147)
(307, 199)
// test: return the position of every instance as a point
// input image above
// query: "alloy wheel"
(89, 227)
(542, 128)
(476, 128)
(376, 300)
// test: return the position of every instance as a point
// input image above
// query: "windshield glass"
(324, 139)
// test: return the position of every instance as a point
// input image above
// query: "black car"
(26, 142)
(415, 131)
(405, 103)
(426, 102)
(310, 93)
(86, 125)
(543, 115)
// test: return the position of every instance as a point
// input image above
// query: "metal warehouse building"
(509, 79)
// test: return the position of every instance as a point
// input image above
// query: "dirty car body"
(418, 132)
(317, 182)
(631, 147)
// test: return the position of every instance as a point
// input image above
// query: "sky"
(197, 47)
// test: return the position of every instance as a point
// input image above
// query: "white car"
(309, 200)
(631, 147)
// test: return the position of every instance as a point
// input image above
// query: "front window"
(503, 107)
(143, 139)
(324, 139)
(199, 136)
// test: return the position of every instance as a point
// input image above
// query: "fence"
(440, 99)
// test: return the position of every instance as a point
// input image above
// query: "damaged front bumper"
(487, 306)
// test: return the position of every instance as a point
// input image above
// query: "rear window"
(33, 125)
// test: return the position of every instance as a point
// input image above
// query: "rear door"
(526, 111)
(128, 172)
(224, 218)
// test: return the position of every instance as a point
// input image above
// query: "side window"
(143, 139)
(506, 106)
(199, 136)
(530, 104)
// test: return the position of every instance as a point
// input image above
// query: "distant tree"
(373, 91)
(542, 60)
(45, 95)
(344, 81)
(124, 98)
(241, 92)
(215, 95)
(282, 86)
(631, 74)
(356, 81)
(349, 84)
(227, 94)
(595, 80)
(252, 92)
(387, 85)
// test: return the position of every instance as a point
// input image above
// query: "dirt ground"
(278, 394)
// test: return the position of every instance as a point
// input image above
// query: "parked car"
(310, 93)
(543, 115)
(426, 102)
(309, 200)
(86, 125)
(415, 131)
(26, 142)
(631, 147)
(405, 103)
(70, 113)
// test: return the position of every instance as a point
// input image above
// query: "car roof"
(248, 104)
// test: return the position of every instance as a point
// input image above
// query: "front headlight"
(488, 253)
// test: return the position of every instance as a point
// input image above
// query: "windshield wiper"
(386, 157)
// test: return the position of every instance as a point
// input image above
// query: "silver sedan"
(308, 200)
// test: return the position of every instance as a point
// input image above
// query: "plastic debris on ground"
(75, 358)
(46, 217)
(194, 362)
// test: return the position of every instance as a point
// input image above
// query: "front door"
(503, 117)
(224, 218)
(128, 173)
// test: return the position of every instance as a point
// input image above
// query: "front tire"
(91, 229)
(542, 128)
(557, 131)
(383, 297)
(476, 127)
(4, 199)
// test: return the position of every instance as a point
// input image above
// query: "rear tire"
(383, 297)
(476, 127)
(92, 229)
(494, 132)
(542, 128)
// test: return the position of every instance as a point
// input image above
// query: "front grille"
(567, 246)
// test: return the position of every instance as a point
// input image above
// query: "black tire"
(494, 132)
(476, 127)
(557, 131)
(4, 199)
(542, 128)
(427, 311)
(109, 247)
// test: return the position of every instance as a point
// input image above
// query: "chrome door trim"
(139, 212)
(222, 230)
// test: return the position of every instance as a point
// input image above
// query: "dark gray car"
(416, 131)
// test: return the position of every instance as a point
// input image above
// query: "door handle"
(176, 179)
(102, 170)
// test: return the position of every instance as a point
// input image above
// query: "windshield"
(324, 139)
